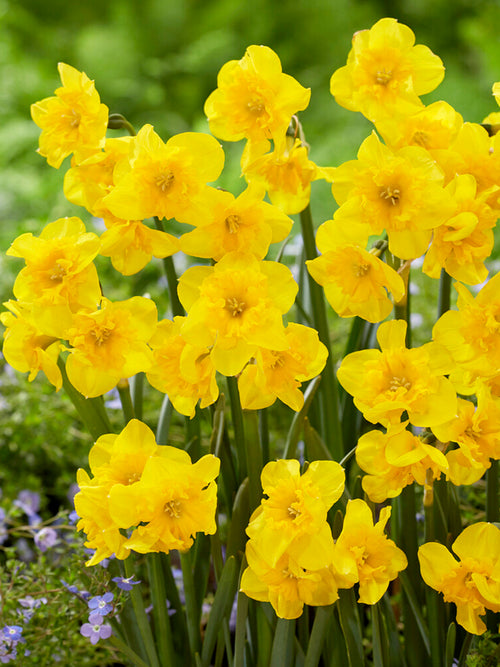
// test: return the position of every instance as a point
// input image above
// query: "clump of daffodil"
(109, 344)
(167, 180)
(236, 307)
(279, 373)
(255, 100)
(385, 72)
(356, 282)
(243, 224)
(74, 121)
(182, 371)
(363, 553)
(387, 382)
(398, 191)
(395, 459)
(135, 481)
(473, 582)
(290, 546)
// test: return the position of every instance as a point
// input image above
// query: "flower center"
(361, 270)
(232, 223)
(278, 360)
(421, 138)
(164, 181)
(58, 272)
(390, 194)
(234, 306)
(397, 382)
(256, 106)
(73, 118)
(293, 512)
(383, 76)
(173, 509)
(101, 335)
(134, 477)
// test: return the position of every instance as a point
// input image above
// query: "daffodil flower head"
(473, 582)
(387, 382)
(236, 306)
(400, 191)
(109, 344)
(254, 99)
(182, 371)
(279, 373)
(385, 72)
(363, 553)
(236, 224)
(396, 459)
(74, 121)
(287, 584)
(59, 267)
(293, 516)
(167, 180)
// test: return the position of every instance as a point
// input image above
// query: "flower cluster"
(292, 557)
(143, 496)
(99, 607)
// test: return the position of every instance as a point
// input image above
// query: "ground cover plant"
(277, 469)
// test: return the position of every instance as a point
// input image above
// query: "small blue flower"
(94, 629)
(13, 633)
(29, 604)
(45, 538)
(125, 583)
(100, 603)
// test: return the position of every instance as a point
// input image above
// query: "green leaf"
(221, 608)
(239, 520)
(283, 644)
(316, 448)
(351, 628)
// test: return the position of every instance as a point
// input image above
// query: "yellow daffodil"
(462, 244)
(287, 584)
(385, 72)
(130, 245)
(471, 334)
(236, 307)
(293, 516)
(473, 582)
(59, 269)
(356, 281)
(26, 347)
(167, 180)
(475, 429)
(174, 500)
(287, 175)
(387, 382)
(396, 459)
(364, 554)
(74, 121)
(399, 191)
(184, 372)
(254, 100)
(279, 374)
(109, 344)
(242, 224)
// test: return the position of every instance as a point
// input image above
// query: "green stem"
(444, 293)
(131, 655)
(168, 265)
(492, 504)
(141, 617)
(137, 393)
(320, 626)
(163, 633)
(126, 400)
(91, 410)
(164, 421)
(264, 435)
(329, 392)
(192, 610)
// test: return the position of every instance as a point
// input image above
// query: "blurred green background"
(156, 61)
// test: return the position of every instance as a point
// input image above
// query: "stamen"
(383, 76)
(164, 181)
(173, 509)
(100, 335)
(390, 193)
(232, 223)
(234, 306)
(397, 382)
(256, 106)
(361, 270)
